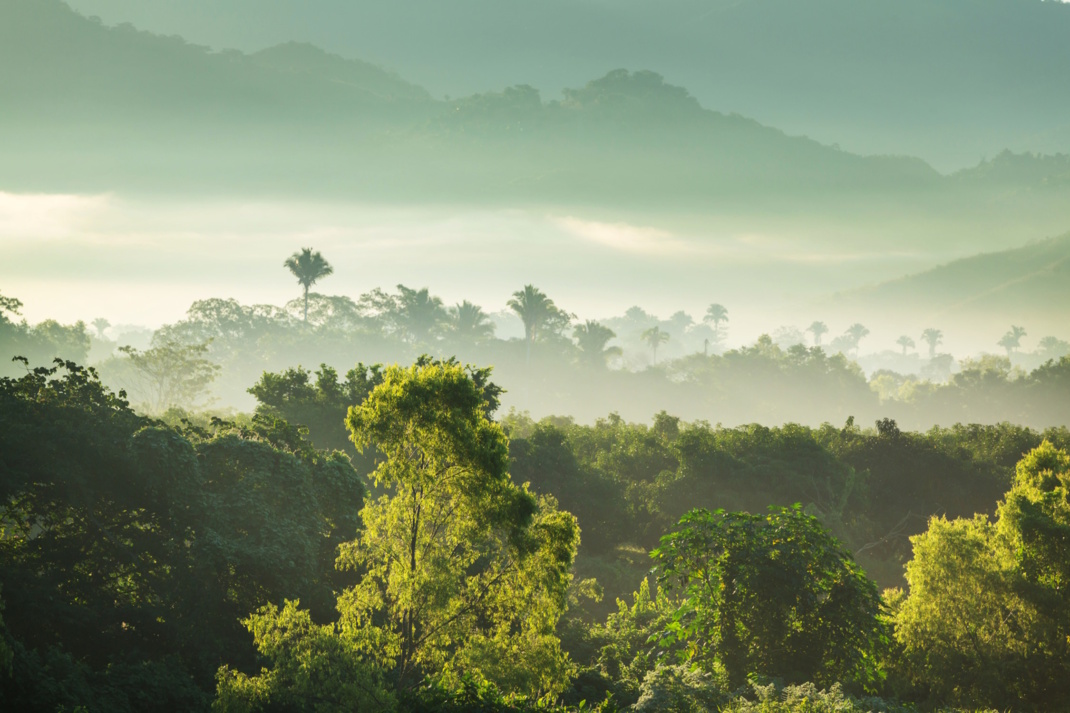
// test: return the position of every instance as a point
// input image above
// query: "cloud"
(46, 215)
(624, 237)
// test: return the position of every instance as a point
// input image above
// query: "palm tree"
(818, 329)
(855, 333)
(100, 324)
(420, 312)
(933, 337)
(309, 268)
(1012, 339)
(905, 342)
(591, 338)
(716, 313)
(536, 311)
(655, 337)
(470, 322)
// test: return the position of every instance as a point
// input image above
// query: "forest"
(389, 538)
(645, 356)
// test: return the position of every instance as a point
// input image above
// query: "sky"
(71, 257)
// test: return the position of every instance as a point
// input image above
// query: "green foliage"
(774, 595)
(985, 621)
(128, 550)
(465, 570)
(169, 375)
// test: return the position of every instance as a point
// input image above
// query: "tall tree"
(309, 267)
(855, 334)
(905, 342)
(100, 324)
(654, 338)
(538, 313)
(716, 313)
(420, 313)
(1012, 339)
(592, 338)
(818, 329)
(469, 323)
(933, 337)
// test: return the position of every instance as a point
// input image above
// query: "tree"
(905, 342)
(933, 337)
(774, 595)
(654, 338)
(309, 268)
(1012, 339)
(469, 323)
(1053, 348)
(462, 569)
(986, 622)
(592, 337)
(855, 334)
(10, 305)
(421, 313)
(716, 313)
(171, 374)
(818, 329)
(538, 313)
(100, 324)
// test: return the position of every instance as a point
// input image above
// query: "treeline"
(634, 364)
(194, 563)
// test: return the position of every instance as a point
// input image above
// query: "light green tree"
(592, 337)
(716, 314)
(818, 329)
(309, 267)
(933, 337)
(1012, 339)
(463, 570)
(987, 618)
(906, 343)
(170, 374)
(654, 338)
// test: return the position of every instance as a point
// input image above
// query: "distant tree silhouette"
(420, 313)
(1053, 348)
(905, 342)
(591, 338)
(538, 313)
(818, 329)
(933, 337)
(1012, 339)
(309, 268)
(716, 313)
(470, 323)
(654, 337)
(855, 334)
(100, 324)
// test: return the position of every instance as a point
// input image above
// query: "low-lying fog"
(137, 261)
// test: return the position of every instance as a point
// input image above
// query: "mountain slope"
(1026, 283)
(949, 80)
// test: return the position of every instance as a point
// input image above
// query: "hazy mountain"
(107, 108)
(1029, 285)
(948, 80)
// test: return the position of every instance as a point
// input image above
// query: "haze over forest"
(430, 356)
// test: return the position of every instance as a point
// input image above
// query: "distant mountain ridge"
(948, 80)
(1032, 281)
(91, 108)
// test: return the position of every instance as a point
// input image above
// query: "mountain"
(948, 80)
(107, 108)
(1029, 285)
(92, 108)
